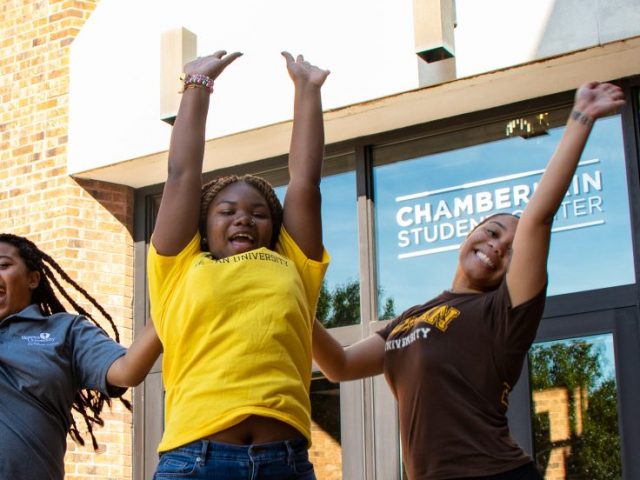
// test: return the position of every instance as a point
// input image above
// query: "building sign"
(436, 221)
(426, 206)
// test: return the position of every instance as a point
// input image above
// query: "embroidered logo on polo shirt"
(44, 338)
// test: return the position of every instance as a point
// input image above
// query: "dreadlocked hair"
(88, 403)
(212, 188)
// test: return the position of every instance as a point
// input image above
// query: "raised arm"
(362, 359)
(131, 368)
(301, 215)
(527, 271)
(179, 213)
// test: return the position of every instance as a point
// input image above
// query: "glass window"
(428, 203)
(326, 449)
(574, 408)
(339, 302)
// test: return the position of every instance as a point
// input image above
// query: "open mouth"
(242, 239)
(484, 259)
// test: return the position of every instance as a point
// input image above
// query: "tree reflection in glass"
(574, 409)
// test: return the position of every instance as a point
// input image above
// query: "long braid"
(89, 403)
(86, 294)
(212, 188)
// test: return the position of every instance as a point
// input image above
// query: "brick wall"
(555, 402)
(84, 225)
(325, 453)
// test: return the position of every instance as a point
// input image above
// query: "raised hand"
(211, 65)
(179, 214)
(302, 71)
(598, 99)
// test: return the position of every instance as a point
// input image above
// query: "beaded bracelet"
(198, 80)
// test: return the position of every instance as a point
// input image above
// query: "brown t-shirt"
(451, 364)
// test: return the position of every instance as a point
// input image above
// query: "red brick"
(88, 236)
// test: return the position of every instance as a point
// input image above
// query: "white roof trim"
(532, 80)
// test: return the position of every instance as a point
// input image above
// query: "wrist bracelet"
(198, 80)
(580, 117)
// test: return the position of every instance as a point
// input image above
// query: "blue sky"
(581, 259)
(584, 258)
(602, 345)
(340, 232)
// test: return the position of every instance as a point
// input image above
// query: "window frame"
(369, 422)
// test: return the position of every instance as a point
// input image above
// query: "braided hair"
(89, 403)
(212, 188)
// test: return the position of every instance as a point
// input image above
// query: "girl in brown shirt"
(452, 361)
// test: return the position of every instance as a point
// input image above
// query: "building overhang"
(536, 79)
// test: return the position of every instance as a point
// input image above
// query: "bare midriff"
(256, 429)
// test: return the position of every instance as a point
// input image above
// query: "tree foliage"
(595, 447)
(341, 306)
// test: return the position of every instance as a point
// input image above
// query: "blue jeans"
(204, 459)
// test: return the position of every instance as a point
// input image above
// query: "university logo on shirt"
(43, 338)
(440, 317)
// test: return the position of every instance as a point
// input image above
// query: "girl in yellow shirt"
(233, 282)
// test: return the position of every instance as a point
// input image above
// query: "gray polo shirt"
(44, 361)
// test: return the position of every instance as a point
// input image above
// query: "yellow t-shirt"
(236, 334)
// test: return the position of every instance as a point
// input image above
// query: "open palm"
(302, 71)
(211, 65)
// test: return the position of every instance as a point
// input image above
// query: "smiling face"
(16, 281)
(238, 220)
(485, 255)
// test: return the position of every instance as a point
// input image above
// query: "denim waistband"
(259, 451)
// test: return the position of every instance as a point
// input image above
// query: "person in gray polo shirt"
(52, 362)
